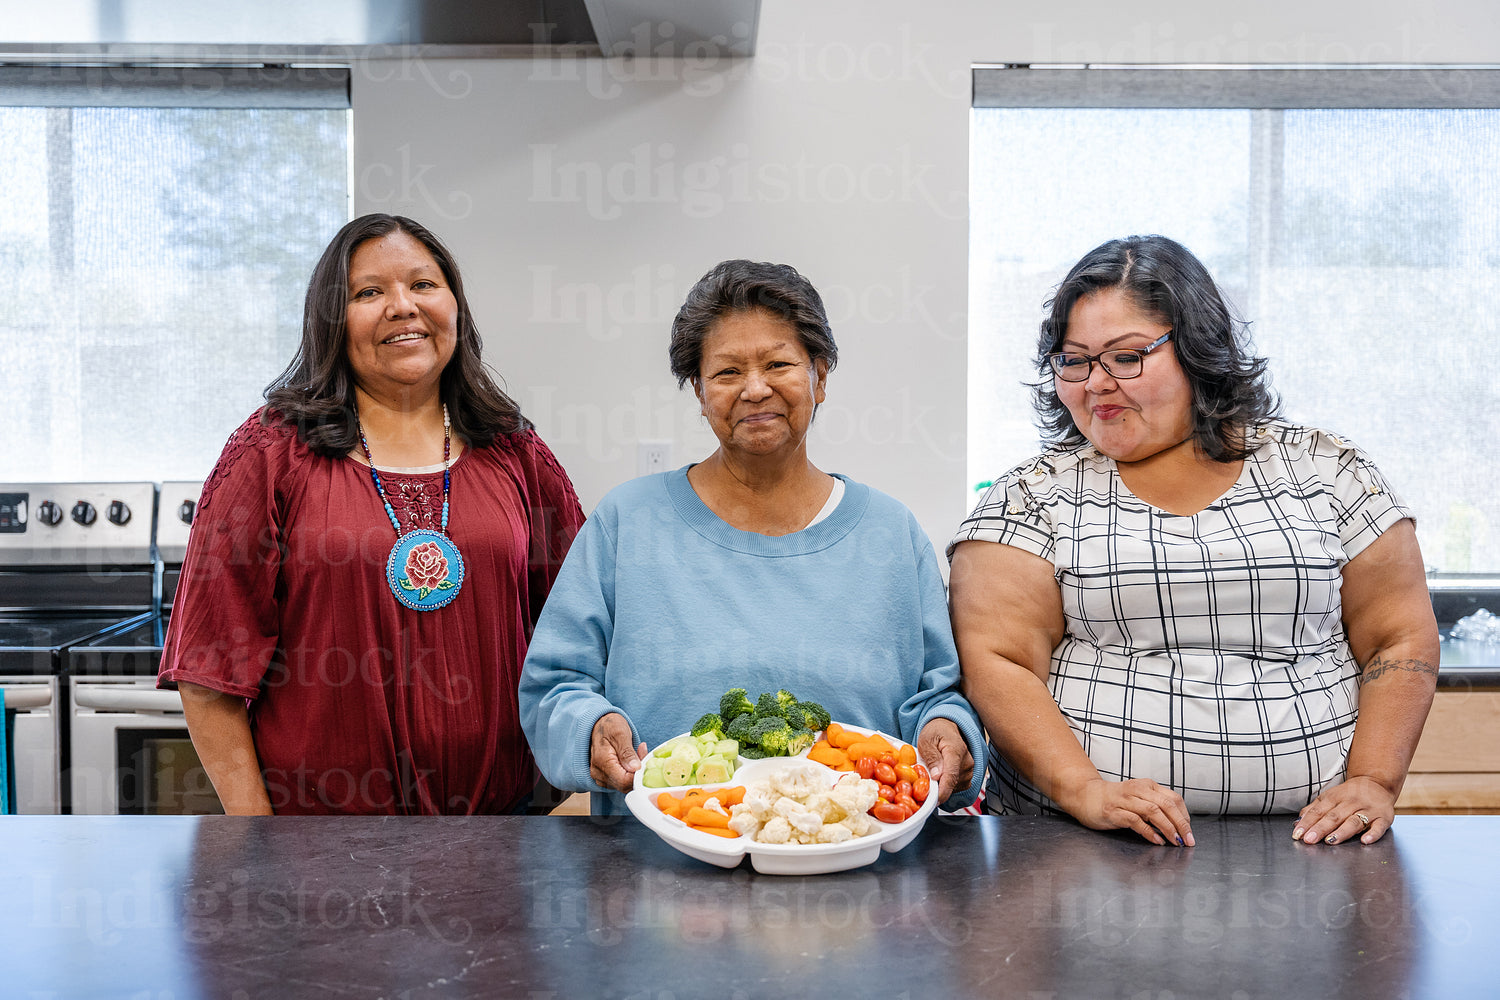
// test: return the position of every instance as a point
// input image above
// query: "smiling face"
(756, 384)
(1126, 419)
(401, 317)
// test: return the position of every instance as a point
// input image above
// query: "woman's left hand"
(1356, 807)
(942, 748)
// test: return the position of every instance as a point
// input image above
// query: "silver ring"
(1362, 818)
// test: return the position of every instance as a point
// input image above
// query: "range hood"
(298, 31)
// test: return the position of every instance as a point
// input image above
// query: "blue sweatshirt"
(661, 607)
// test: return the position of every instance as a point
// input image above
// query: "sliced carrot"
(730, 796)
(831, 756)
(843, 738)
(834, 729)
(698, 816)
(869, 747)
(669, 804)
(717, 831)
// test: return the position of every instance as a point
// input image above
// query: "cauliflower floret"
(713, 805)
(791, 782)
(786, 805)
(854, 794)
(828, 810)
(777, 831)
(834, 833)
(743, 822)
(859, 824)
(758, 799)
(804, 821)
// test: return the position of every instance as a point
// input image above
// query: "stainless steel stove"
(87, 573)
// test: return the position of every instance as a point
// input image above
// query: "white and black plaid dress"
(1206, 652)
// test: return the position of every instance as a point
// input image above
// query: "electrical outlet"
(652, 457)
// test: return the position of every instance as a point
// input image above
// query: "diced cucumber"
(712, 770)
(677, 770)
(665, 750)
(687, 751)
(729, 749)
(652, 776)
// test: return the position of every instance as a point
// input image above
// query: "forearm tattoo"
(1379, 667)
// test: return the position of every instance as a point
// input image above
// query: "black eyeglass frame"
(1091, 358)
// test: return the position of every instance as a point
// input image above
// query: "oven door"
(131, 752)
(32, 744)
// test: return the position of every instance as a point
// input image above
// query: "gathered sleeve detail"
(223, 632)
(555, 515)
(1364, 505)
(1017, 509)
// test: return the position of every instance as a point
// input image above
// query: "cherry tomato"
(921, 771)
(887, 793)
(906, 773)
(887, 758)
(888, 812)
(903, 787)
(885, 774)
(908, 803)
(921, 787)
(865, 767)
(906, 754)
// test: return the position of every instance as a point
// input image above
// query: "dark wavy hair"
(739, 286)
(316, 392)
(1230, 385)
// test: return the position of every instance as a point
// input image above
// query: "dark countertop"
(552, 907)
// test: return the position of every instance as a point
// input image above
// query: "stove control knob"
(48, 512)
(84, 513)
(119, 513)
(186, 510)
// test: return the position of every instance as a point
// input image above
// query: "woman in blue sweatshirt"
(749, 569)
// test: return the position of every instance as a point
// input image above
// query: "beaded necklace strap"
(390, 511)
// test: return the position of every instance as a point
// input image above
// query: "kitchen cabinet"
(1456, 768)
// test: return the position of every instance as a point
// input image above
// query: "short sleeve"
(556, 516)
(224, 626)
(1011, 512)
(1363, 501)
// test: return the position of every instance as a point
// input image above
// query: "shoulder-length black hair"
(316, 392)
(739, 286)
(1230, 385)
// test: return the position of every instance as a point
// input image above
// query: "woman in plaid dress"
(1187, 604)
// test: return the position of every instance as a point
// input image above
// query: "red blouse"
(358, 704)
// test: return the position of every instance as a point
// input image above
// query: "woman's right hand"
(1158, 814)
(612, 760)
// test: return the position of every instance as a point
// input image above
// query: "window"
(157, 228)
(1352, 216)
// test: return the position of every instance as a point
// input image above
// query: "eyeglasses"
(1125, 362)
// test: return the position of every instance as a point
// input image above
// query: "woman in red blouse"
(369, 556)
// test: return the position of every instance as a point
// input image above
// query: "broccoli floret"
(736, 701)
(740, 728)
(814, 716)
(753, 753)
(764, 727)
(785, 698)
(710, 723)
(799, 742)
(771, 735)
(767, 707)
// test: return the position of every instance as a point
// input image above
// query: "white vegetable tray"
(776, 859)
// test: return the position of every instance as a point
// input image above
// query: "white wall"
(583, 198)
